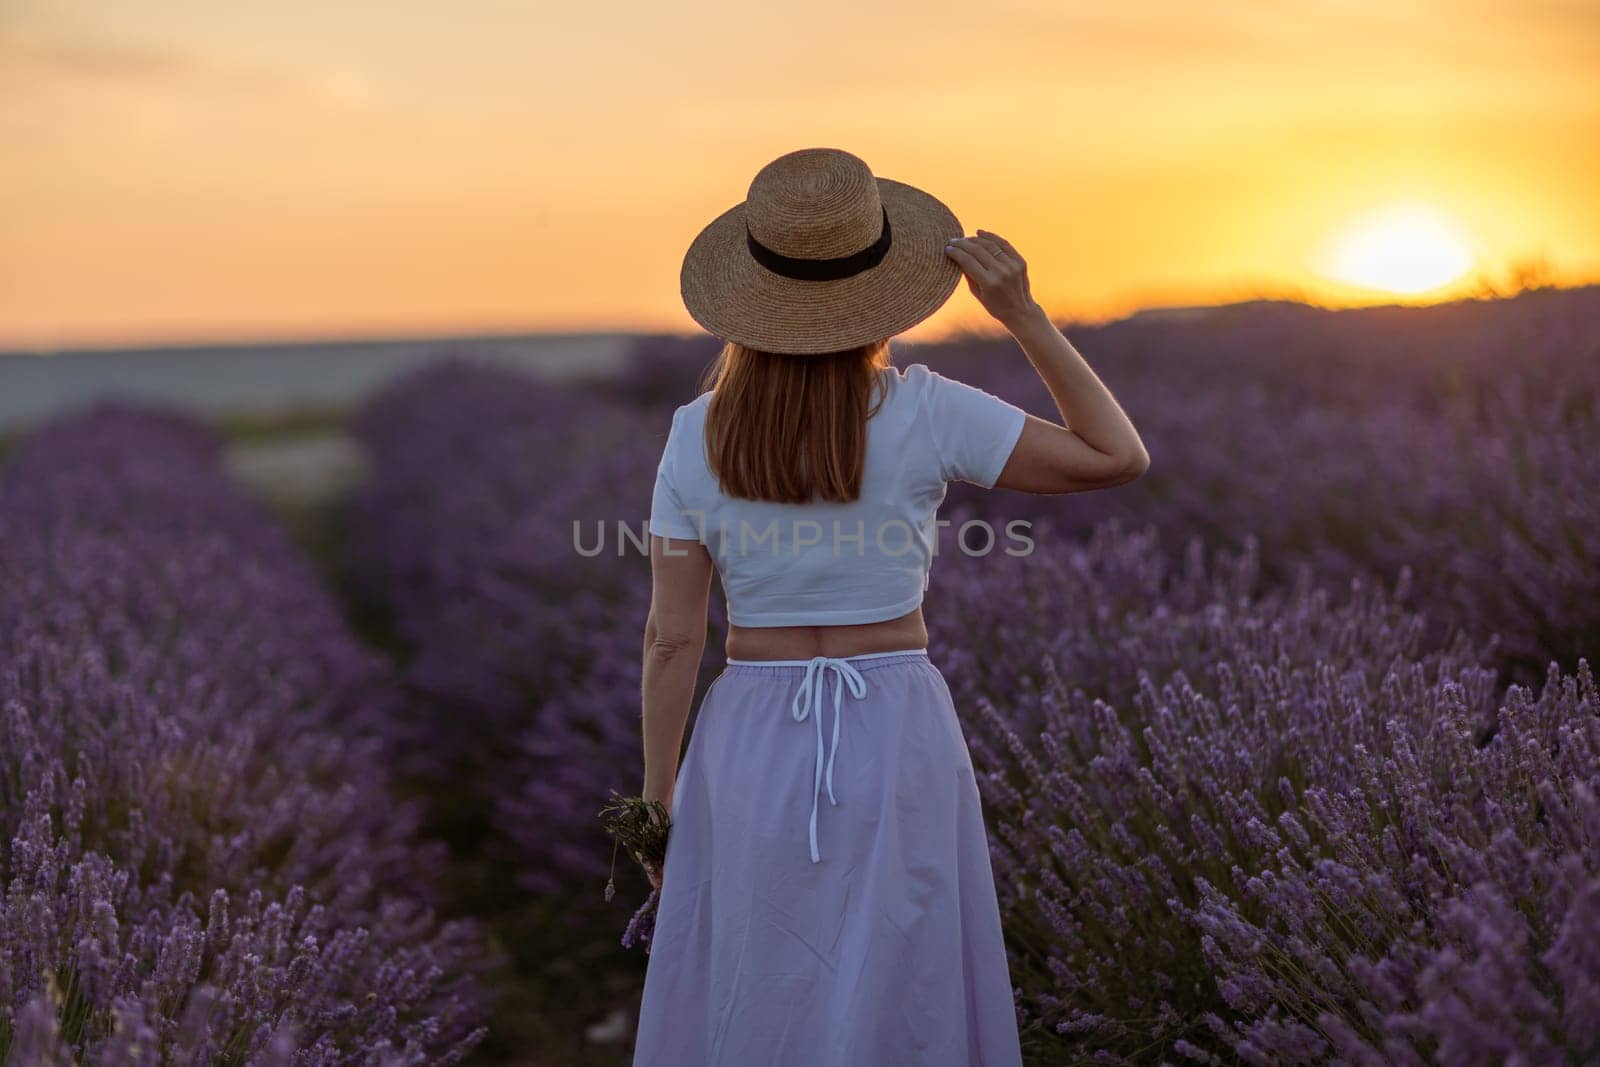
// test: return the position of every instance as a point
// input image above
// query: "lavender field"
(1290, 751)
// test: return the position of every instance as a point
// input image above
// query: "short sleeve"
(667, 516)
(974, 432)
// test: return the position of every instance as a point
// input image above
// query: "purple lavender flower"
(1261, 822)
(200, 858)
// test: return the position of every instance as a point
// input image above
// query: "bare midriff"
(804, 642)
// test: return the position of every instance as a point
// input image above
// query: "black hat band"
(821, 270)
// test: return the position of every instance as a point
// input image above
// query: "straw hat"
(821, 256)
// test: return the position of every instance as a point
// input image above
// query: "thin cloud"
(35, 62)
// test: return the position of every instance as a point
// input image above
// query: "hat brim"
(737, 299)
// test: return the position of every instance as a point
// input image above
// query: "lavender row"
(1454, 440)
(1232, 823)
(201, 860)
(489, 531)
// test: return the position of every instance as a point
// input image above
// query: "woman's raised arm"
(1095, 445)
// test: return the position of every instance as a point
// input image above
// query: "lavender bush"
(1232, 824)
(1453, 440)
(200, 860)
(465, 536)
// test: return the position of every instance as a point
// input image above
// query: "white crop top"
(824, 563)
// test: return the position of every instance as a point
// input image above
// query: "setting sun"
(1405, 248)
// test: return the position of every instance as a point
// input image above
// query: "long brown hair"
(791, 428)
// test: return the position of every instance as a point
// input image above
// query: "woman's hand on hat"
(996, 273)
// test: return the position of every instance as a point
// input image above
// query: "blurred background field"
(1290, 750)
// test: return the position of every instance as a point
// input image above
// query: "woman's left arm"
(674, 641)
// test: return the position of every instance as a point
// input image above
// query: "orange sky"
(186, 170)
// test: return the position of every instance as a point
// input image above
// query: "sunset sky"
(180, 170)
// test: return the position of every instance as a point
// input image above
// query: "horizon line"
(363, 338)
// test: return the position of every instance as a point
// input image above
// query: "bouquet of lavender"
(643, 826)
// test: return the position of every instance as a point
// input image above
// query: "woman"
(863, 932)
